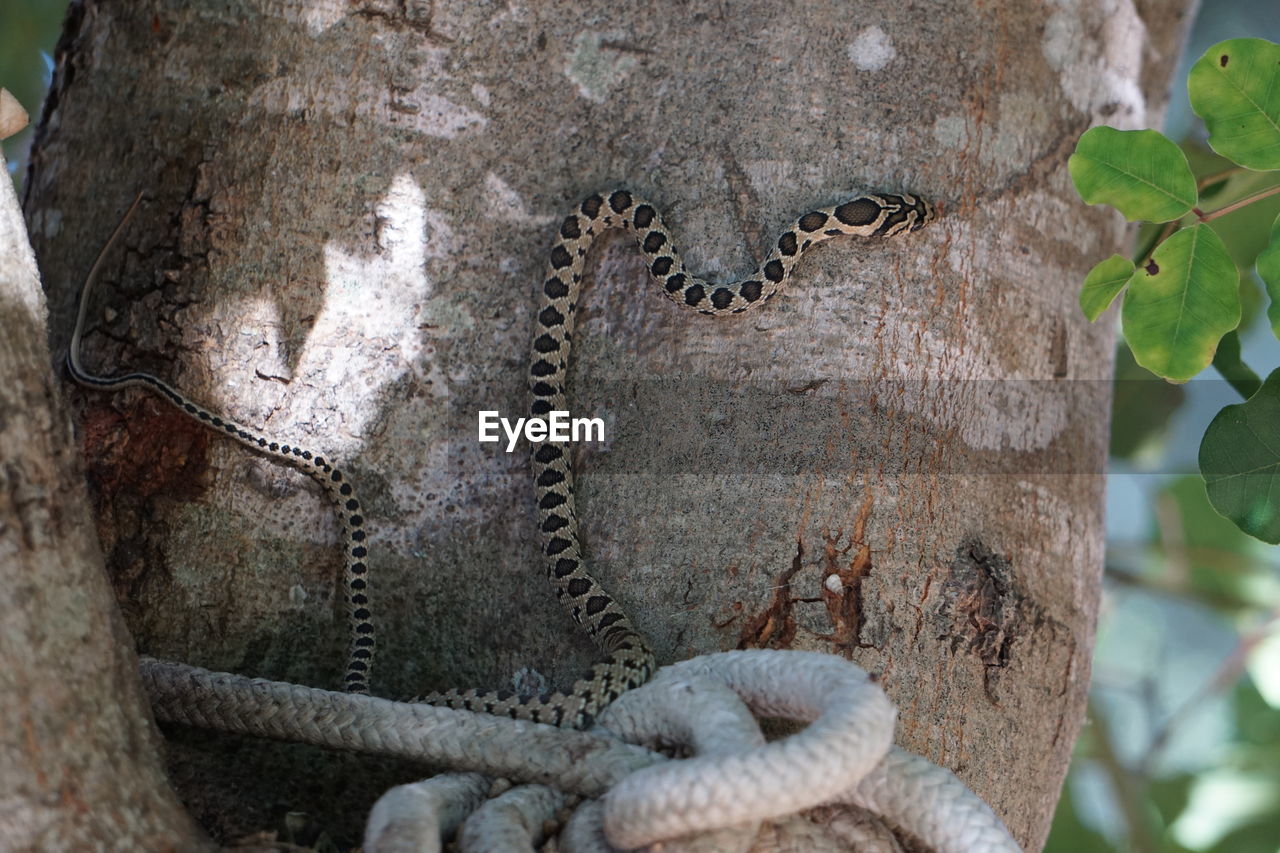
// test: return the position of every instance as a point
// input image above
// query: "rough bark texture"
(79, 761)
(898, 460)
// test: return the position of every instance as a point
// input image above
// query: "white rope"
(734, 781)
(914, 793)
(691, 710)
(851, 732)
(573, 761)
(415, 818)
(512, 821)
(584, 831)
(684, 709)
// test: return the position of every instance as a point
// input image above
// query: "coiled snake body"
(630, 661)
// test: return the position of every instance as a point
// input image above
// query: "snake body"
(335, 484)
(630, 662)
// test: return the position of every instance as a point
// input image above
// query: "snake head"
(906, 213)
(929, 212)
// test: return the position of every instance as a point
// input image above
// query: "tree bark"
(899, 459)
(79, 761)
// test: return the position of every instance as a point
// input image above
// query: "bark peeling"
(982, 601)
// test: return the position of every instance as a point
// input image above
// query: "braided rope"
(584, 831)
(843, 755)
(686, 710)
(514, 820)
(910, 791)
(413, 818)
(497, 746)
(852, 730)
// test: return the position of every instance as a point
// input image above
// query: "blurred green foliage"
(28, 32)
(1240, 461)
(1181, 750)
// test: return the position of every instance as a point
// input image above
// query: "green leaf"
(1231, 367)
(1246, 231)
(1240, 462)
(1139, 172)
(1269, 271)
(1103, 283)
(1235, 88)
(1181, 303)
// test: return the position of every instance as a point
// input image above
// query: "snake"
(336, 485)
(629, 659)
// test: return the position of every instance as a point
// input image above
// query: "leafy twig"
(1169, 227)
(1236, 205)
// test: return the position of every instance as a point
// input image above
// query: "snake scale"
(630, 662)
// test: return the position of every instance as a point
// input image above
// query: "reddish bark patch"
(145, 451)
(775, 626)
(851, 565)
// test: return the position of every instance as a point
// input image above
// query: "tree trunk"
(899, 459)
(79, 765)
